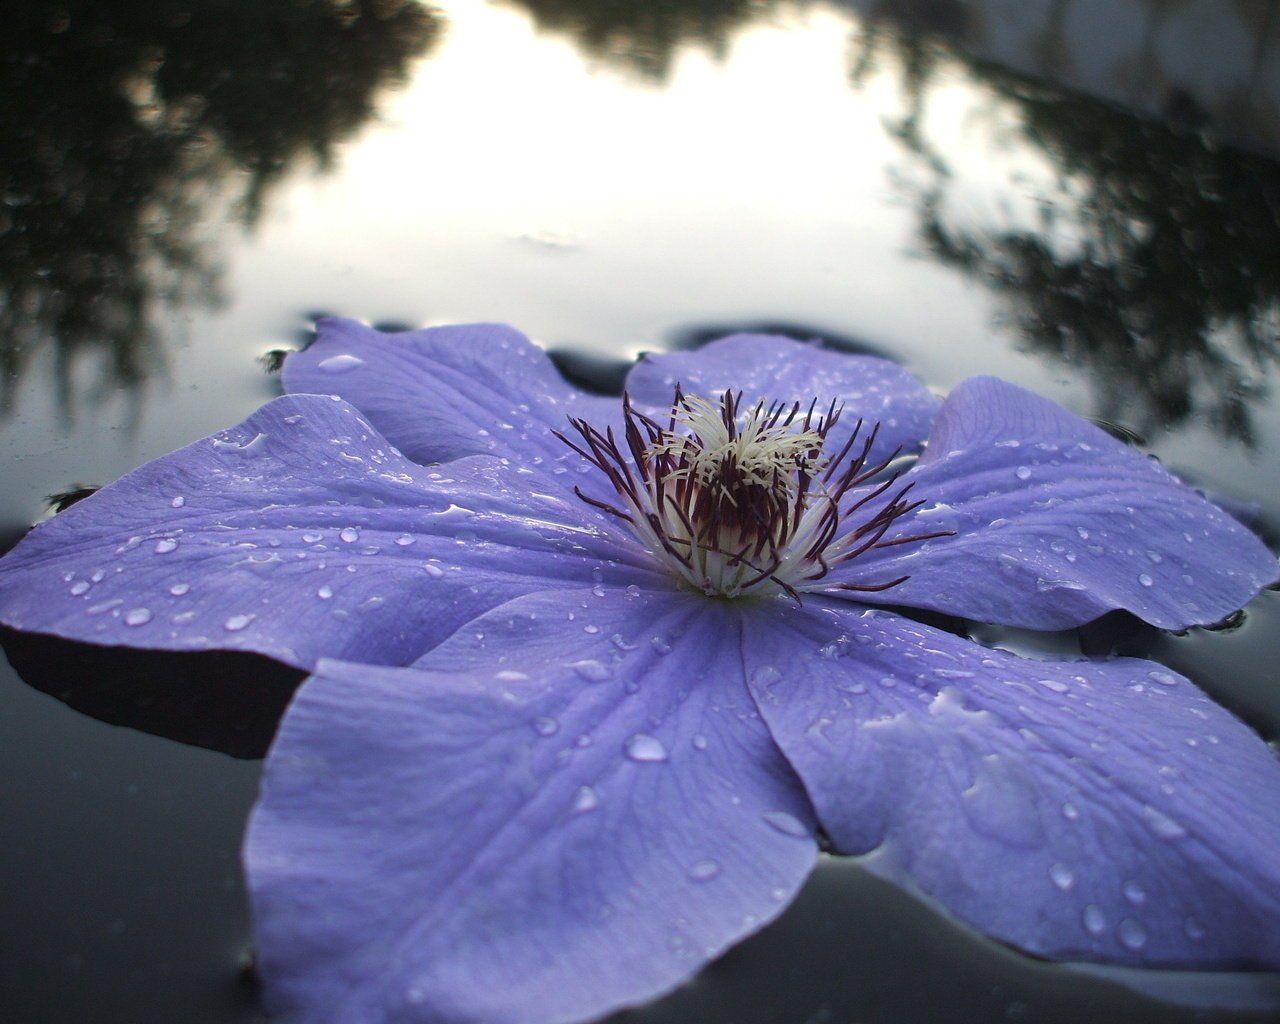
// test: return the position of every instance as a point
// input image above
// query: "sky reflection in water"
(610, 178)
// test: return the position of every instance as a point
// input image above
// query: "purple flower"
(577, 717)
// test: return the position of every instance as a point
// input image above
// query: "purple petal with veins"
(1052, 523)
(567, 808)
(1080, 810)
(300, 534)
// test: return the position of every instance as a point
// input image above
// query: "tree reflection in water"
(643, 35)
(133, 132)
(1150, 256)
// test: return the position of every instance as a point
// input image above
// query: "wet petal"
(299, 534)
(445, 392)
(567, 808)
(778, 368)
(1056, 523)
(1104, 811)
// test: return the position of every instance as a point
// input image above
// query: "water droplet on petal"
(1193, 928)
(699, 742)
(1056, 685)
(1161, 824)
(1132, 934)
(433, 570)
(704, 870)
(178, 589)
(80, 587)
(787, 824)
(591, 670)
(546, 726)
(237, 623)
(349, 534)
(1062, 876)
(1145, 579)
(1070, 811)
(404, 540)
(1134, 893)
(1095, 921)
(660, 644)
(1023, 473)
(325, 592)
(165, 545)
(644, 748)
(1164, 678)
(137, 617)
(340, 363)
(585, 799)
(178, 502)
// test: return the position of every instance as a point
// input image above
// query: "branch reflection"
(132, 133)
(1145, 254)
(642, 36)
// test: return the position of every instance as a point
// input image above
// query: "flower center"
(738, 503)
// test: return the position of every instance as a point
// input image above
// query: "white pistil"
(745, 503)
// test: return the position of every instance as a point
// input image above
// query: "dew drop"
(1023, 473)
(660, 644)
(1056, 685)
(137, 617)
(1145, 579)
(1095, 921)
(699, 742)
(1062, 876)
(237, 623)
(349, 534)
(433, 570)
(585, 799)
(704, 870)
(1134, 893)
(404, 540)
(766, 675)
(1070, 811)
(1161, 824)
(787, 824)
(81, 587)
(165, 545)
(325, 592)
(178, 589)
(341, 363)
(1193, 928)
(312, 538)
(1132, 934)
(1163, 678)
(591, 670)
(178, 502)
(1082, 532)
(644, 748)
(546, 726)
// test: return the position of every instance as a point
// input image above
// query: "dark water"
(184, 187)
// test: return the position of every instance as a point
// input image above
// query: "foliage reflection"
(132, 132)
(643, 35)
(1148, 255)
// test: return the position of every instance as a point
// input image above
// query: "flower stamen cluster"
(738, 503)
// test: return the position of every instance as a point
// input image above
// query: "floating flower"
(590, 679)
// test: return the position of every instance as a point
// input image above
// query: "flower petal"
(1056, 523)
(576, 815)
(445, 392)
(1104, 811)
(298, 534)
(778, 368)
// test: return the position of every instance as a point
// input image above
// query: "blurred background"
(1081, 196)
